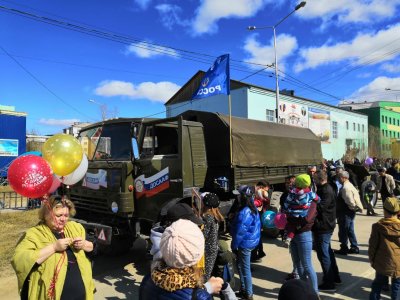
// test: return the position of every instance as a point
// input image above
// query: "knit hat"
(182, 244)
(182, 211)
(302, 181)
(296, 289)
(210, 199)
(391, 205)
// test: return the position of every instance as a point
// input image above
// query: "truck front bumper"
(102, 233)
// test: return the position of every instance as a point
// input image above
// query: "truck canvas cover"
(256, 143)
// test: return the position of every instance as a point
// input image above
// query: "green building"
(384, 126)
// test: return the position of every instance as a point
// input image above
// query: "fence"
(11, 200)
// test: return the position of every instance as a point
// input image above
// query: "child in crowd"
(245, 232)
(296, 205)
(211, 217)
(261, 199)
(178, 212)
(175, 275)
(384, 244)
(262, 203)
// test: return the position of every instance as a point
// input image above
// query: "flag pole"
(230, 129)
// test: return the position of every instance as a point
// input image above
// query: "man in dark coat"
(323, 228)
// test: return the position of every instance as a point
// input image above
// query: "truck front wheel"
(120, 244)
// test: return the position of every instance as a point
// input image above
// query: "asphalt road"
(120, 277)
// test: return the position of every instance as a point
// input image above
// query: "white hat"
(182, 244)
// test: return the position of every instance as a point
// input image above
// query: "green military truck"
(139, 167)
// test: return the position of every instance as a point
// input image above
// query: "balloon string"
(52, 289)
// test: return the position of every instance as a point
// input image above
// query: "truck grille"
(90, 203)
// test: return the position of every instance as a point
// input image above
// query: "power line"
(43, 85)
(142, 44)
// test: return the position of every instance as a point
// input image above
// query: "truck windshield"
(107, 142)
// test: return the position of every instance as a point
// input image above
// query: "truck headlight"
(114, 207)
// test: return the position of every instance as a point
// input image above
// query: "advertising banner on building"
(320, 123)
(293, 114)
(8, 147)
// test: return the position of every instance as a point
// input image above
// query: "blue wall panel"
(12, 127)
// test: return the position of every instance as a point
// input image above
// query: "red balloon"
(30, 176)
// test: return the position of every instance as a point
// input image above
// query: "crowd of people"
(52, 259)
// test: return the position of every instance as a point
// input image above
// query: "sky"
(130, 56)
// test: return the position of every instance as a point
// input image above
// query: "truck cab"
(136, 167)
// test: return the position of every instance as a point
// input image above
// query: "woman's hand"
(62, 244)
(58, 246)
(79, 243)
(82, 244)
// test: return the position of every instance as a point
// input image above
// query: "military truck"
(140, 167)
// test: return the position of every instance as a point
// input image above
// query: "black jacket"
(325, 221)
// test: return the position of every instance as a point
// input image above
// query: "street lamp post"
(103, 109)
(298, 6)
(392, 90)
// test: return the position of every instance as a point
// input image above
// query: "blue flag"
(216, 81)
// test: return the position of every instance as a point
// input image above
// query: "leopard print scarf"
(173, 279)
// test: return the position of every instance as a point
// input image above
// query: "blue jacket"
(245, 230)
(149, 291)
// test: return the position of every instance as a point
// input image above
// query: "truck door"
(159, 169)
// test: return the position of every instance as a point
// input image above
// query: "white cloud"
(153, 91)
(147, 50)
(366, 48)
(58, 122)
(143, 4)
(170, 15)
(345, 11)
(210, 11)
(365, 75)
(391, 67)
(264, 54)
(376, 89)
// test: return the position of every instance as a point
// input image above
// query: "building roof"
(187, 90)
(13, 113)
(389, 105)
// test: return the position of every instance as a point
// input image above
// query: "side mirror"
(135, 148)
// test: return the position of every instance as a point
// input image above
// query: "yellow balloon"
(63, 152)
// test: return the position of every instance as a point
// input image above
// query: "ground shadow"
(120, 278)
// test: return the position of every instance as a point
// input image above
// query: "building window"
(358, 125)
(354, 126)
(398, 122)
(390, 120)
(347, 125)
(386, 133)
(270, 115)
(334, 130)
(383, 119)
(362, 127)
